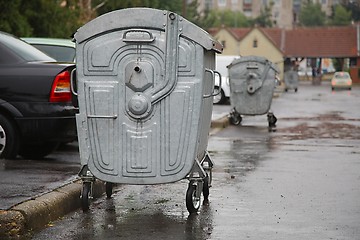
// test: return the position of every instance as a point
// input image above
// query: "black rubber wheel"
(235, 119)
(272, 120)
(192, 203)
(109, 189)
(296, 89)
(9, 139)
(85, 196)
(37, 151)
(206, 188)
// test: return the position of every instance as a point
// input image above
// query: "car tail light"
(60, 90)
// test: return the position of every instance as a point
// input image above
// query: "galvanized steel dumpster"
(252, 83)
(145, 84)
(291, 79)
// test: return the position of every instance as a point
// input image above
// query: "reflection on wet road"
(300, 182)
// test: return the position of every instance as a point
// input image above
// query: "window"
(255, 43)
(221, 3)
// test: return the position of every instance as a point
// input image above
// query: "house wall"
(264, 47)
(355, 72)
(231, 44)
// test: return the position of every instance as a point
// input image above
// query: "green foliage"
(11, 20)
(39, 18)
(311, 15)
(111, 5)
(226, 18)
(264, 19)
(342, 17)
(353, 7)
(61, 18)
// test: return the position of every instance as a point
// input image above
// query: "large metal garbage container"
(291, 79)
(145, 84)
(252, 83)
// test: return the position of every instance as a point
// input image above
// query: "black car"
(36, 110)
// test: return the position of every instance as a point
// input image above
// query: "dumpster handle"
(213, 72)
(72, 82)
(103, 116)
(220, 84)
(145, 40)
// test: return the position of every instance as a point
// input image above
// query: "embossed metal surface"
(143, 118)
(252, 84)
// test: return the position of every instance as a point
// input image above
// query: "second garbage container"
(252, 83)
(145, 85)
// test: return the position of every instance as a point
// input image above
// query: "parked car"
(36, 112)
(221, 66)
(341, 80)
(63, 50)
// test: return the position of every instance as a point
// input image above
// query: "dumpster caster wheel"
(296, 89)
(272, 120)
(85, 196)
(235, 118)
(108, 189)
(206, 188)
(192, 202)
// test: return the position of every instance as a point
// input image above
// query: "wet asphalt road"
(300, 182)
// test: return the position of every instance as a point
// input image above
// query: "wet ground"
(301, 181)
(23, 179)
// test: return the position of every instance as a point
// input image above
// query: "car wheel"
(220, 98)
(38, 151)
(9, 139)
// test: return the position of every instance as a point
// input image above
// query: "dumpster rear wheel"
(192, 202)
(272, 120)
(108, 189)
(85, 196)
(235, 119)
(206, 188)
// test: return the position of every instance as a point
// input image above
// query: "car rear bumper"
(50, 129)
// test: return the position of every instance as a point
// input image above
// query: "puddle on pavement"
(330, 125)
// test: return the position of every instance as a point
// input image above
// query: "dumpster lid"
(144, 18)
(245, 59)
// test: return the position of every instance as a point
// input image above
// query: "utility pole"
(184, 8)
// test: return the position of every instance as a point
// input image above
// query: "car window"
(60, 53)
(24, 50)
(342, 75)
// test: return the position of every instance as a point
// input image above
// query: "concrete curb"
(21, 220)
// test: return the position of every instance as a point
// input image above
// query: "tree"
(353, 7)
(111, 5)
(11, 20)
(228, 18)
(51, 18)
(264, 19)
(311, 15)
(341, 17)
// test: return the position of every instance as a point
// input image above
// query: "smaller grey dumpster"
(291, 79)
(252, 83)
(145, 86)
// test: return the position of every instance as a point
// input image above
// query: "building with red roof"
(297, 43)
